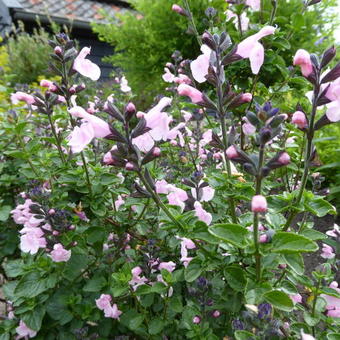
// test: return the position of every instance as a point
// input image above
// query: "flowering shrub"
(189, 220)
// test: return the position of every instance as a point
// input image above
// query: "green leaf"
(244, 335)
(279, 300)
(285, 242)
(132, 319)
(333, 336)
(192, 272)
(14, 268)
(320, 207)
(95, 284)
(176, 304)
(156, 326)
(235, 278)
(295, 262)
(310, 320)
(34, 318)
(30, 285)
(4, 212)
(75, 265)
(230, 233)
(313, 234)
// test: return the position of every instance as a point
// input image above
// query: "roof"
(84, 11)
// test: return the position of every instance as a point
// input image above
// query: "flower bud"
(55, 233)
(58, 50)
(156, 152)
(259, 204)
(302, 59)
(178, 9)
(72, 227)
(265, 135)
(51, 211)
(129, 166)
(216, 313)
(231, 152)
(299, 119)
(130, 107)
(140, 114)
(196, 320)
(284, 158)
(263, 238)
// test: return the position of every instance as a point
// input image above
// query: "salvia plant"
(191, 220)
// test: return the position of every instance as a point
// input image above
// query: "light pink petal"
(86, 67)
(80, 137)
(333, 111)
(256, 58)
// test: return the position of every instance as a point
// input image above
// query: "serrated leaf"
(230, 233)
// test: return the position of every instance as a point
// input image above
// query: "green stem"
(86, 173)
(58, 144)
(307, 158)
(239, 24)
(273, 13)
(192, 21)
(316, 294)
(256, 216)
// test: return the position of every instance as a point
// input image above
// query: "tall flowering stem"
(258, 185)
(192, 21)
(308, 149)
(221, 114)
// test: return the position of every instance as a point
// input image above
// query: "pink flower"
(144, 142)
(263, 238)
(162, 187)
(302, 59)
(207, 193)
(243, 17)
(284, 158)
(216, 314)
(177, 196)
(104, 301)
(186, 244)
(168, 76)
(119, 202)
(49, 84)
(189, 91)
(23, 331)
(297, 298)
(333, 111)
(299, 119)
(182, 79)
(104, 304)
(60, 254)
(259, 204)
(335, 232)
(327, 252)
(124, 87)
(248, 128)
(92, 127)
(31, 240)
(86, 67)
(231, 152)
(333, 303)
(333, 91)
(252, 49)
(199, 67)
(255, 5)
(202, 214)
(137, 280)
(169, 266)
(21, 96)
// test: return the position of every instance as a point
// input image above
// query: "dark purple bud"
(313, 2)
(333, 74)
(265, 135)
(264, 310)
(178, 9)
(208, 39)
(328, 56)
(210, 12)
(237, 325)
(58, 50)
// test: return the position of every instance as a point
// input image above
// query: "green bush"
(28, 55)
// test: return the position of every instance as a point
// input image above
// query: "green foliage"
(144, 42)
(28, 55)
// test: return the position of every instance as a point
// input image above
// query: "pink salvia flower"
(335, 232)
(48, 84)
(169, 266)
(327, 252)
(202, 214)
(119, 202)
(233, 16)
(60, 254)
(86, 67)
(23, 331)
(302, 59)
(299, 119)
(104, 304)
(255, 5)
(177, 196)
(252, 49)
(162, 187)
(247, 127)
(259, 204)
(231, 152)
(189, 91)
(137, 280)
(333, 111)
(199, 67)
(31, 240)
(124, 87)
(178, 9)
(284, 158)
(23, 97)
(297, 298)
(333, 303)
(168, 76)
